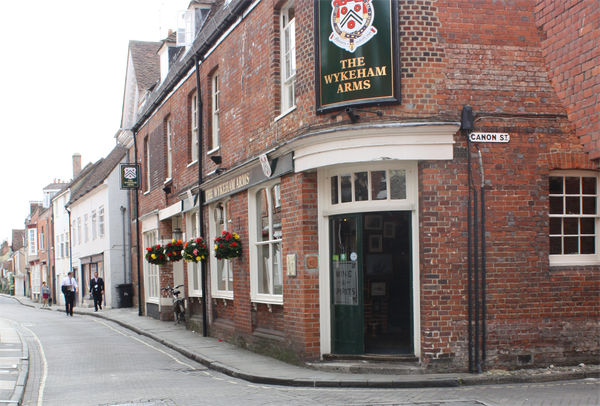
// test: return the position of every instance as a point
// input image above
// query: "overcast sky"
(62, 73)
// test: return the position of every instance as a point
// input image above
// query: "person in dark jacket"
(97, 290)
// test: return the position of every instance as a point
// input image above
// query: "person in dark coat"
(97, 290)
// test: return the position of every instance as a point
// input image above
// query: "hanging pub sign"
(130, 176)
(357, 53)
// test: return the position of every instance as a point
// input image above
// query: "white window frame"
(255, 245)
(41, 241)
(215, 111)
(147, 153)
(86, 230)
(151, 271)
(578, 259)
(194, 268)
(94, 225)
(287, 35)
(214, 232)
(101, 222)
(79, 231)
(194, 125)
(169, 150)
(67, 254)
(32, 234)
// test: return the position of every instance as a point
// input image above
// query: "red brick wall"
(483, 53)
(570, 45)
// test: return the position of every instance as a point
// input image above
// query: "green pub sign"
(357, 54)
(130, 176)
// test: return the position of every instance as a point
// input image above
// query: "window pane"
(398, 184)
(361, 187)
(571, 226)
(556, 205)
(588, 245)
(334, 190)
(195, 281)
(346, 185)
(589, 205)
(589, 186)
(588, 225)
(275, 213)
(571, 245)
(555, 226)
(263, 269)
(277, 270)
(572, 185)
(572, 205)
(263, 215)
(378, 185)
(556, 185)
(222, 274)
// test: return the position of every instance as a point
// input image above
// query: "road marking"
(148, 345)
(40, 400)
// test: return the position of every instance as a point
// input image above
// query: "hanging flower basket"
(195, 250)
(173, 250)
(156, 255)
(228, 246)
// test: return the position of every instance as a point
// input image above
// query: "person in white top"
(69, 288)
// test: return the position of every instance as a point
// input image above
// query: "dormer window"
(190, 22)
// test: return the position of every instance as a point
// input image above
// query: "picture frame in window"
(373, 222)
(375, 243)
(389, 229)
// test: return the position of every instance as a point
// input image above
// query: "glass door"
(347, 284)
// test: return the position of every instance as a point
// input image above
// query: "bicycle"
(178, 303)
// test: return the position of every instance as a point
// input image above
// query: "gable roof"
(94, 175)
(146, 63)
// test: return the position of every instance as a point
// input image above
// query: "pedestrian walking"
(45, 294)
(69, 288)
(97, 290)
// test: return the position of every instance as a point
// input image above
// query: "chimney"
(76, 164)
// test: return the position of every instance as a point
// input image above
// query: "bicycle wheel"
(179, 313)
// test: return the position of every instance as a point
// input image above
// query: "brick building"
(356, 184)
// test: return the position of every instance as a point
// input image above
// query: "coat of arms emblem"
(352, 23)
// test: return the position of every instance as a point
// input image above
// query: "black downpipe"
(466, 124)
(483, 299)
(201, 198)
(469, 258)
(137, 232)
(476, 278)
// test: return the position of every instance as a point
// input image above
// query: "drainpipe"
(201, 199)
(483, 276)
(137, 231)
(466, 124)
(123, 212)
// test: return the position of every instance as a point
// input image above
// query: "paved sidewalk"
(14, 364)
(237, 362)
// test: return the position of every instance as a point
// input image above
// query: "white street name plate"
(489, 137)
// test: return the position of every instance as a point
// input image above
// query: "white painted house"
(99, 210)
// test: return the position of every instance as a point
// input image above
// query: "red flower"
(234, 244)
(198, 240)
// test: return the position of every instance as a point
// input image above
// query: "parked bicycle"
(178, 303)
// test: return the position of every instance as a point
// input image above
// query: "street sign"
(130, 176)
(489, 137)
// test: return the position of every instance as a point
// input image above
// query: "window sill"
(168, 181)
(212, 151)
(574, 260)
(223, 295)
(147, 192)
(272, 300)
(192, 163)
(285, 113)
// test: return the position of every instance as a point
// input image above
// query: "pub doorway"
(371, 277)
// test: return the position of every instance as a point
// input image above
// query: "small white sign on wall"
(489, 137)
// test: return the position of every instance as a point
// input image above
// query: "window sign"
(357, 54)
(345, 279)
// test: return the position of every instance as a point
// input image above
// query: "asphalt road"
(83, 360)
